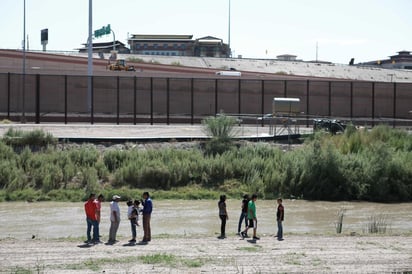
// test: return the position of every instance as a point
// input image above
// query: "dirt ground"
(198, 254)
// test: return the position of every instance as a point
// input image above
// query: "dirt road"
(197, 254)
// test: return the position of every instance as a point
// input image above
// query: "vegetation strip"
(373, 165)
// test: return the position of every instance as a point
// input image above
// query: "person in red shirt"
(90, 207)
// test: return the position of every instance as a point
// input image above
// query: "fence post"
(151, 100)
(167, 101)
(37, 107)
(118, 100)
(65, 99)
(134, 99)
(262, 101)
(216, 97)
(307, 102)
(239, 102)
(91, 99)
(351, 100)
(373, 104)
(330, 99)
(285, 91)
(192, 108)
(8, 95)
(394, 104)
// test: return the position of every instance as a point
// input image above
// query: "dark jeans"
(133, 227)
(147, 234)
(223, 225)
(92, 223)
(243, 215)
(280, 230)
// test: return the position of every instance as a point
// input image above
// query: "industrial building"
(178, 45)
(402, 60)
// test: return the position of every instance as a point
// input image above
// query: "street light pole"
(114, 40)
(90, 57)
(23, 110)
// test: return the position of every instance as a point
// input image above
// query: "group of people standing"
(248, 215)
(92, 209)
(93, 212)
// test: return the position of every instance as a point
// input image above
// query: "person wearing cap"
(114, 218)
(147, 212)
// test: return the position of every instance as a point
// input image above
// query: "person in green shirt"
(252, 220)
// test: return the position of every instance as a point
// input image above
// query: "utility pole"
(230, 50)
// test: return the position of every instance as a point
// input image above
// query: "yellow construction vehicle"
(121, 65)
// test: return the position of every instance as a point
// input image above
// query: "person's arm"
(282, 212)
(114, 212)
(227, 215)
(251, 213)
(97, 213)
(149, 207)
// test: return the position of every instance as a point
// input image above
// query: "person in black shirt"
(280, 214)
(223, 216)
(243, 213)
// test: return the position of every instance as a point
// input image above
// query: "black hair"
(146, 193)
(246, 196)
(129, 203)
(91, 195)
(222, 198)
(254, 196)
(136, 202)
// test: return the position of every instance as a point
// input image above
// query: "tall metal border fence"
(116, 99)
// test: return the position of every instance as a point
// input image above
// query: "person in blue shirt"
(147, 212)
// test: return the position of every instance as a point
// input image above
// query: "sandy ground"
(197, 254)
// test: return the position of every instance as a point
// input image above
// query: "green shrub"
(90, 180)
(114, 159)
(84, 157)
(15, 137)
(221, 129)
(27, 194)
(11, 177)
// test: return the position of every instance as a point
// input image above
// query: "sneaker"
(132, 240)
(243, 234)
(256, 238)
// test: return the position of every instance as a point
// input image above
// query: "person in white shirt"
(114, 219)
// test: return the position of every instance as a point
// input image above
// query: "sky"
(332, 30)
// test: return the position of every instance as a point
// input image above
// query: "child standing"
(132, 218)
(279, 218)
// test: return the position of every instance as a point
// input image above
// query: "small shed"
(285, 106)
